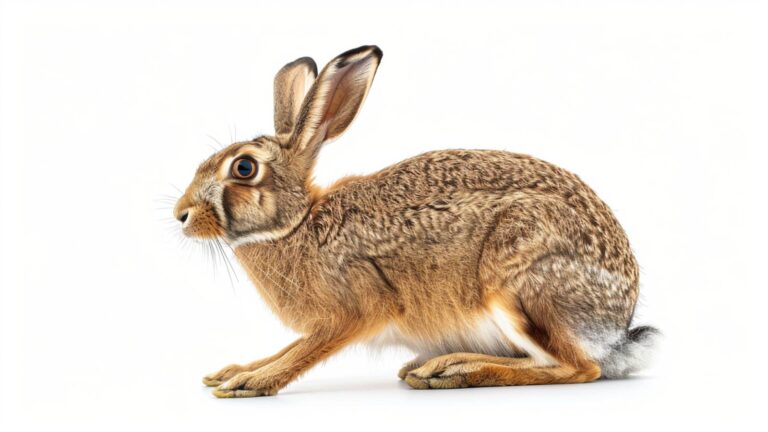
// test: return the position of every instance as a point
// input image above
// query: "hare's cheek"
(244, 207)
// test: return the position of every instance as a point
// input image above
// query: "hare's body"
(436, 253)
(494, 268)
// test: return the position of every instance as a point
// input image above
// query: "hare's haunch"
(495, 268)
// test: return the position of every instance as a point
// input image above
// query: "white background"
(109, 320)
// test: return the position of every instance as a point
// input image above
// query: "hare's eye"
(244, 168)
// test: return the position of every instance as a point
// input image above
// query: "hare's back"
(448, 203)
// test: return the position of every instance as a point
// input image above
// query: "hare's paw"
(246, 384)
(215, 379)
(440, 373)
(409, 366)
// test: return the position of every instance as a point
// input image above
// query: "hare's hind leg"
(480, 370)
(562, 362)
(545, 311)
(415, 363)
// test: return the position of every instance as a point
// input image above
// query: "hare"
(495, 268)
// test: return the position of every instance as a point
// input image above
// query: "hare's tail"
(631, 354)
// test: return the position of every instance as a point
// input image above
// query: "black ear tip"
(306, 61)
(373, 49)
(310, 63)
(377, 51)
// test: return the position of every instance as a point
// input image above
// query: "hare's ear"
(335, 98)
(291, 84)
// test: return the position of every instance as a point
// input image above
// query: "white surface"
(107, 320)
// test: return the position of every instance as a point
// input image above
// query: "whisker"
(274, 282)
(227, 264)
(226, 257)
(212, 256)
(221, 146)
(276, 272)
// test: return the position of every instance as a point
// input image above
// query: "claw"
(416, 382)
(211, 382)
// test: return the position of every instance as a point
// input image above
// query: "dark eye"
(244, 168)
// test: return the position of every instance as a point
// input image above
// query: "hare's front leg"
(215, 379)
(297, 359)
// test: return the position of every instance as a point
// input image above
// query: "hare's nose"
(183, 216)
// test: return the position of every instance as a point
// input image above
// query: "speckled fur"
(455, 254)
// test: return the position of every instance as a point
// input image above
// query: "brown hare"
(495, 268)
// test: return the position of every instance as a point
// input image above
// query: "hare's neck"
(281, 270)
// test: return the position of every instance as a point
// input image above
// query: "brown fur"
(428, 246)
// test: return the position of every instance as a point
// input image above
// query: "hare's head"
(260, 190)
